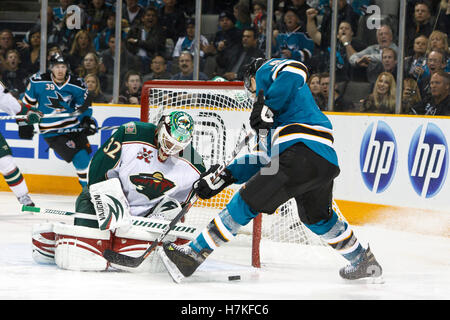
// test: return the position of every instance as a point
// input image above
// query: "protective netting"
(221, 112)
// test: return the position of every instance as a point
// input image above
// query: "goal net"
(221, 111)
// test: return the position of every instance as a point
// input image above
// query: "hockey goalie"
(141, 170)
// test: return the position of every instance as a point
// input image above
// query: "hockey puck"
(234, 278)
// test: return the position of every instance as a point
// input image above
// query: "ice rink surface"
(415, 265)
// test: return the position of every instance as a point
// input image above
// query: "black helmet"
(56, 58)
(250, 71)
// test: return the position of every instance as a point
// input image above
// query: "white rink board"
(406, 178)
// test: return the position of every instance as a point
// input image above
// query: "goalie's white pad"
(110, 204)
(43, 243)
(81, 248)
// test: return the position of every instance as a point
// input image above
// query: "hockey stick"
(49, 115)
(152, 225)
(133, 262)
(70, 130)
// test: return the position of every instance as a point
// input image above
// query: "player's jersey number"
(112, 148)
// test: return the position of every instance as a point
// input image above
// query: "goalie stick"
(134, 262)
(70, 130)
(181, 230)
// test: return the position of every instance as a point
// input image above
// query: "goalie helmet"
(250, 71)
(174, 132)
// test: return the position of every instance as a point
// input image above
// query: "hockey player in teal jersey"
(297, 161)
(58, 91)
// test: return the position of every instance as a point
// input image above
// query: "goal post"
(221, 113)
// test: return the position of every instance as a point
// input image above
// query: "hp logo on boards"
(378, 156)
(428, 160)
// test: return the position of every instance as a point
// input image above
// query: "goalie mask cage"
(221, 111)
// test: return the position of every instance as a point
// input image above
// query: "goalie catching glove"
(261, 117)
(206, 188)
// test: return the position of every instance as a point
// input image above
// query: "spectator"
(370, 57)
(93, 86)
(301, 6)
(382, 98)
(439, 41)
(97, 15)
(82, 44)
(418, 25)
(340, 103)
(259, 11)
(128, 61)
(186, 43)
(262, 33)
(158, 69)
(186, 65)
(345, 47)
(6, 43)
(414, 65)
(292, 44)
(91, 65)
(316, 90)
(102, 37)
(321, 35)
(131, 92)
(132, 12)
(249, 50)
(59, 12)
(171, 18)
(227, 42)
(388, 64)
(146, 39)
(31, 52)
(14, 77)
(241, 12)
(438, 103)
(411, 95)
(435, 62)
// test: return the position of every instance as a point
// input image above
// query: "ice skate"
(368, 267)
(180, 261)
(26, 200)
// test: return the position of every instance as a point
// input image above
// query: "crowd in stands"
(158, 36)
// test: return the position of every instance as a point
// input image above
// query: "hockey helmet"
(56, 58)
(250, 71)
(175, 132)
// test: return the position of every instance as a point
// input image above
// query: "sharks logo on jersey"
(58, 102)
(152, 185)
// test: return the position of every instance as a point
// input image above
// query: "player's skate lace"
(26, 200)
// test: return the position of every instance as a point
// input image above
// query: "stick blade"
(121, 259)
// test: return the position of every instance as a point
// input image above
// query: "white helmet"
(174, 133)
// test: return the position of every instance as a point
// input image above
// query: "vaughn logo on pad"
(110, 204)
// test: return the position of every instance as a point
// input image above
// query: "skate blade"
(171, 268)
(368, 280)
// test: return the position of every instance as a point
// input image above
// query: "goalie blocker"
(80, 248)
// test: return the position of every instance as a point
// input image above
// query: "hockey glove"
(89, 125)
(261, 117)
(26, 131)
(206, 188)
(33, 114)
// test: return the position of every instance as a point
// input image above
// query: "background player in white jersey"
(8, 167)
(298, 138)
(156, 167)
(59, 91)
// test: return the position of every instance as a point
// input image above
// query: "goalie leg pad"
(133, 242)
(81, 248)
(43, 243)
